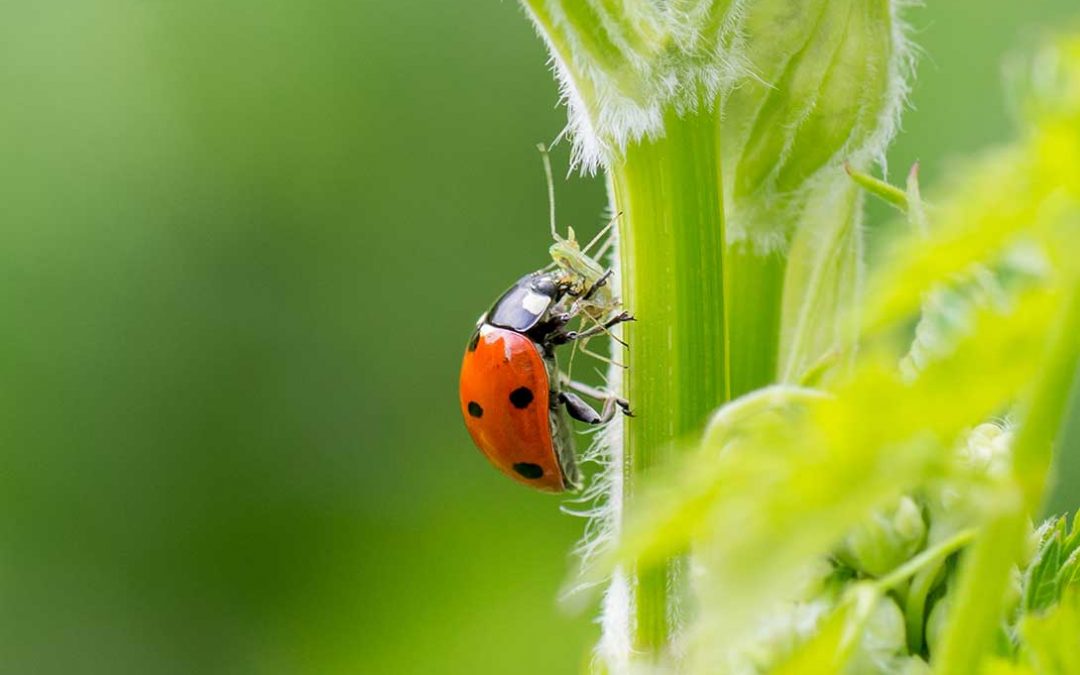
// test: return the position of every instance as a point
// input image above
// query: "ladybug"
(512, 395)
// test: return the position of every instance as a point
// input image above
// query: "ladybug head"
(527, 303)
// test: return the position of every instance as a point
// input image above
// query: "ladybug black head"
(527, 303)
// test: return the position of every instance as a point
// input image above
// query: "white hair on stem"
(602, 506)
(608, 111)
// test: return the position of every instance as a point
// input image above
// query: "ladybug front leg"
(569, 336)
(577, 408)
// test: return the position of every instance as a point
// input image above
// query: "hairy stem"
(672, 244)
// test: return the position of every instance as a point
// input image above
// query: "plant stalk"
(754, 288)
(671, 237)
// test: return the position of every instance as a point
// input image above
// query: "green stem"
(977, 606)
(671, 243)
(930, 556)
(915, 605)
(754, 287)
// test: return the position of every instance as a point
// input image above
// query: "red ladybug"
(511, 398)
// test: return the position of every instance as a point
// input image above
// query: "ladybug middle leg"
(577, 408)
(582, 411)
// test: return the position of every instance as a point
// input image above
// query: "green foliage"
(787, 476)
(721, 125)
(1052, 639)
(851, 465)
(1055, 567)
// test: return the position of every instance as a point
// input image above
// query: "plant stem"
(754, 287)
(977, 606)
(930, 556)
(671, 244)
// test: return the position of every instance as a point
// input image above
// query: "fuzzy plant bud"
(984, 457)
(825, 88)
(988, 451)
(886, 540)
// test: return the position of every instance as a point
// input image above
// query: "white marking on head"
(535, 303)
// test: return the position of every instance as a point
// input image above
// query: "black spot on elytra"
(527, 470)
(474, 340)
(521, 397)
(475, 410)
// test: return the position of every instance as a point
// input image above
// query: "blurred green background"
(243, 245)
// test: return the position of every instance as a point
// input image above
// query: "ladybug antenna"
(601, 233)
(546, 159)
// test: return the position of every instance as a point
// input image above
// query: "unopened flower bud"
(886, 540)
(817, 97)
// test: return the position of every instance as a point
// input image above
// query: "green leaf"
(812, 467)
(947, 313)
(1051, 640)
(1056, 565)
(1001, 666)
(887, 192)
(1014, 191)
(825, 94)
(1040, 581)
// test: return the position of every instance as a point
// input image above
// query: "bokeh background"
(243, 244)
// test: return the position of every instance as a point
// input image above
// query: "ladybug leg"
(560, 319)
(570, 336)
(578, 408)
(583, 412)
(611, 401)
(615, 402)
